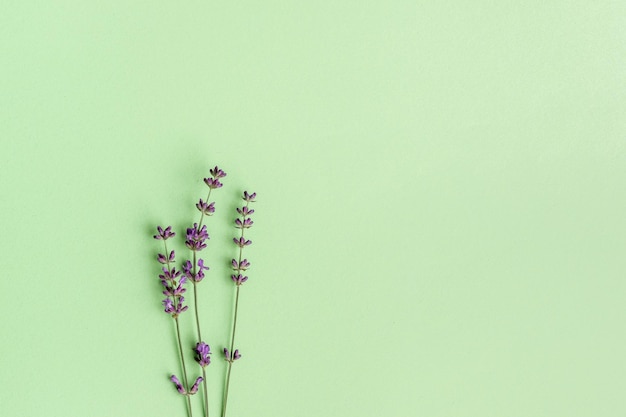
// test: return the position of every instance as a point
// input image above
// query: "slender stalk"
(195, 303)
(206, 398)
(232, 340)
(230, 364)
(232, 347)
(182, 360)
(195, 298)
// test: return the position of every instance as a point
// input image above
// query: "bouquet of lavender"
(175, 281)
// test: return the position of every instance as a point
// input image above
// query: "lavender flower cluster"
(193, 271)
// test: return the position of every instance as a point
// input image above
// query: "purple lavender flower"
(164, 234)
(171, 291)
(249, 197)
(194, 387)
(245, 211)
(180, 307)
(174, 308)
(196, 238)
(207, 209)
(187, 269)
(202, 354)
(179, 386)
(165, 259)
(169, 305)
(201, 268)
(217, 173)
(238, 279)
(169, 274)
(213, 183)
(240, 266)
(241, 242)
(230, 358)
(188, 272)
(247, 223)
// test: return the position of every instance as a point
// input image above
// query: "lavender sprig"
(196, 238)
(239, 265)
(173, 303)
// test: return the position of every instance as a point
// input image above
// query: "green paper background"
(440, 223)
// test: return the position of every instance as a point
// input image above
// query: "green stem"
(182, 360)
(232, 347)
(206, 397)
(232, 340)
(230, 364)
(195, 298)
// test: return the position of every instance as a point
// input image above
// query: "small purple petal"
(241, 242)
(179, 386)
(187, 269)
(164, 234)
(213, 183)
(238, 279)
(249, 197)
(202, 354)
(194, 387)
(169, 305)
(217, 173)
(245, 211)
(201, 264)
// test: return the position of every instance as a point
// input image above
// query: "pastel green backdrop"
(440, 222)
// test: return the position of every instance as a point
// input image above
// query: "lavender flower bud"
(249, 197)
(233, 357)
(247, 223)
(240, 266)
(196, 238)
(179, 386)
(175, 292)
(238, 279)
(213, 183)
(162, 259)
(179, 307)
(194, 387)
(187, 269)
(169, 305)
(202, 354)
(169, 273)
(207, 209)
(217, 173)
(245, 211)
(164, 234)
(241, 242)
